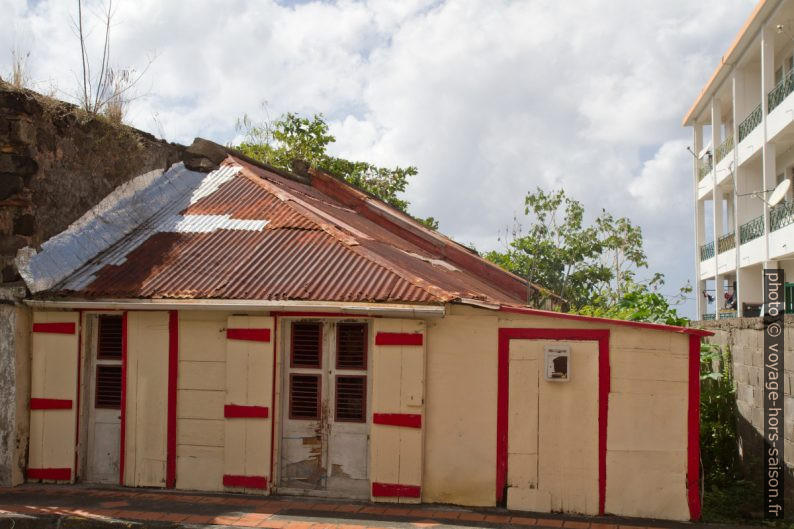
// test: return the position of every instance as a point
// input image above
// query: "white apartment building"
(743, 123)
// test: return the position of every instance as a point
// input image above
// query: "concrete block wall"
(745, 338)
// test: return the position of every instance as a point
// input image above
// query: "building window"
(351, 398)
(304, 396)
(109, 341)
(108, 387)
(351, 346)
(307, 339)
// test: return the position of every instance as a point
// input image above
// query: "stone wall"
(745, 338)
(56, 162)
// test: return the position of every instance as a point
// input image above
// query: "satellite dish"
(779, 192)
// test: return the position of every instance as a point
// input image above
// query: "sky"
(489, 99)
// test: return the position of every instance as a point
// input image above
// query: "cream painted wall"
(249, 382)
(201, 393)
(460, 432)
(146, 399)
(53, 376)
(398, 386)
(647, 428)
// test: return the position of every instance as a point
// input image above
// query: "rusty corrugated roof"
(247, 232)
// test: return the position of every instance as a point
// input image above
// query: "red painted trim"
(79, 379)
(251, 335)
(273, 396)
(408, 420)
(236, 411)
(246, 482)
(50, 404)
(693, 430)
(592, 319)
(399, 338)
(503, 394)
(56, 474)
(55, 328)
(173, 374)
(392, 490)
(122, 433)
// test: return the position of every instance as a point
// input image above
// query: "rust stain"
(319, 243)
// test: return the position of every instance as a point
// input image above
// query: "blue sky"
(488, 99)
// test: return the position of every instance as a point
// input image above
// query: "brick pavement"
(158, 508)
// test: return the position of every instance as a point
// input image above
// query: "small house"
(252, 330)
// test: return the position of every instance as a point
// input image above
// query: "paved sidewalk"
(77, 506)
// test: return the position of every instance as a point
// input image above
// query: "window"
(304, 396)
(351, 398)
(351, 346)
(307, 339)
(108, 387)
(109, 340)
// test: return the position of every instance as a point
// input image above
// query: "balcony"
(709, 316)
(725, 148)
(781, 215)
(781, 91)
(750, 122)
(726, 242)
(751, 230)
(704, 168)
(707, 251)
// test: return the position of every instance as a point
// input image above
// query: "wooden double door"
(326, 396)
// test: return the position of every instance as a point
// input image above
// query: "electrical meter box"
(558, 363)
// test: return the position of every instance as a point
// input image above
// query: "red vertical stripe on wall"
(502, 400)
(604, 387)
(503, 397)
(173, 367)
(79, 375)
(123, 395)
(273, 405)
(693, 430)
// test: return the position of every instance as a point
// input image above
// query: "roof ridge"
(348, 241)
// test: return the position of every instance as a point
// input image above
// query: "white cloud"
(488, 99)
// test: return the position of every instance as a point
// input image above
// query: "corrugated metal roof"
(244, 232)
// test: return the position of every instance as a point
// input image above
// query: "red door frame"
(503, 393)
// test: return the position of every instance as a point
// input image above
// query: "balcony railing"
(704, 169)
(725, 314)
(726, 242)
(781, 91)
(724, 148)
(781, 215)
(708, 316)
(750, 122)
(751, 230)
(707, 251)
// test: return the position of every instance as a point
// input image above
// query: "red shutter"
(304, 398)
(351, 398)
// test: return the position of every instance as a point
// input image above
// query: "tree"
(638, 302)
(293, 137)
(581, 263)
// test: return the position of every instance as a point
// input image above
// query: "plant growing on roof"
(293, 137)
(108, 91)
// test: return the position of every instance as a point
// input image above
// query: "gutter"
(247, 305)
